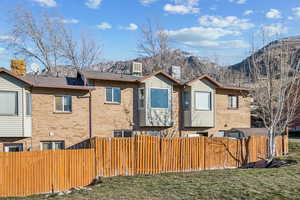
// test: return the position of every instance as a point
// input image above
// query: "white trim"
(112, 96)
(210, 101)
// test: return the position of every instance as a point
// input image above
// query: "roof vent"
(175, 72)
(137, 69)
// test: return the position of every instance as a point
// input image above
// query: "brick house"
(43, 112)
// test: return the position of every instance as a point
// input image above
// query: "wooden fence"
(152, 155)
(27, 173)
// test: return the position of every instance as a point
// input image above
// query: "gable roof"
(160, 73)
(215, 82)
(16, 76)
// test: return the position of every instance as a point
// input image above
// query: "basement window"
(52, 145)
(113, 95)
(122, 133)
(63, 103)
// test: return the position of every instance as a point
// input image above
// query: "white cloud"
(206, 37)
(296, 13)
(4, 38)
(2, 50)
(131, 27)
(48, 3)
(238, 1)
(93, 3)
(66, 21)
(248, 12)
(147, 2)
(182, 7)
(275, 29)
(104, 26)
(273, 14)
(225, 22)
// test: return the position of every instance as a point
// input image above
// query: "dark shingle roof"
(44, 81)
(96, 75)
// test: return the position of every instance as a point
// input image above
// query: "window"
(123, 133)
(13, 147)
(159, 98)
(63, 103)
(186, 100)
(8, 103)
(202, 100)
(141, 98)
(154, 133)
(233, 101)
(28, 104)
(52, 145)
(113, 95)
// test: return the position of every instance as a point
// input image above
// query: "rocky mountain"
(290, 46)
(191, 65)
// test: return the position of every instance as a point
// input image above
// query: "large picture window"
(8, 103)
(63, 103)
(113, 95)
(202, 100)
(159, 98)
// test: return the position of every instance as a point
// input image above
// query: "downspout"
(90, 114)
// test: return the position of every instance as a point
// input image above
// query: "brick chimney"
(18, 67)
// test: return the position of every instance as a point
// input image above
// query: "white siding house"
(15, 107)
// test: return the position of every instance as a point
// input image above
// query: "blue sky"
(222, 30)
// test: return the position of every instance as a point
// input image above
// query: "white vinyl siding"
(202, 100)
(19, 124)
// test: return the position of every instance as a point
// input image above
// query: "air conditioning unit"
(175, 72)
(137, 69)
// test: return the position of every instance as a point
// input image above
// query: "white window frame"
(230, 105)
(63, 103)
(52, 144)
(17, 103)
(210, 101)
(169, 95)
(141, 99)
(122, 132)
(28, 104)
(112, 95)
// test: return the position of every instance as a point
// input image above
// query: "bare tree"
(154, 43)
(275, 89)
(47, 40)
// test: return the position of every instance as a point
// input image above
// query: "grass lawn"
(282, 183)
